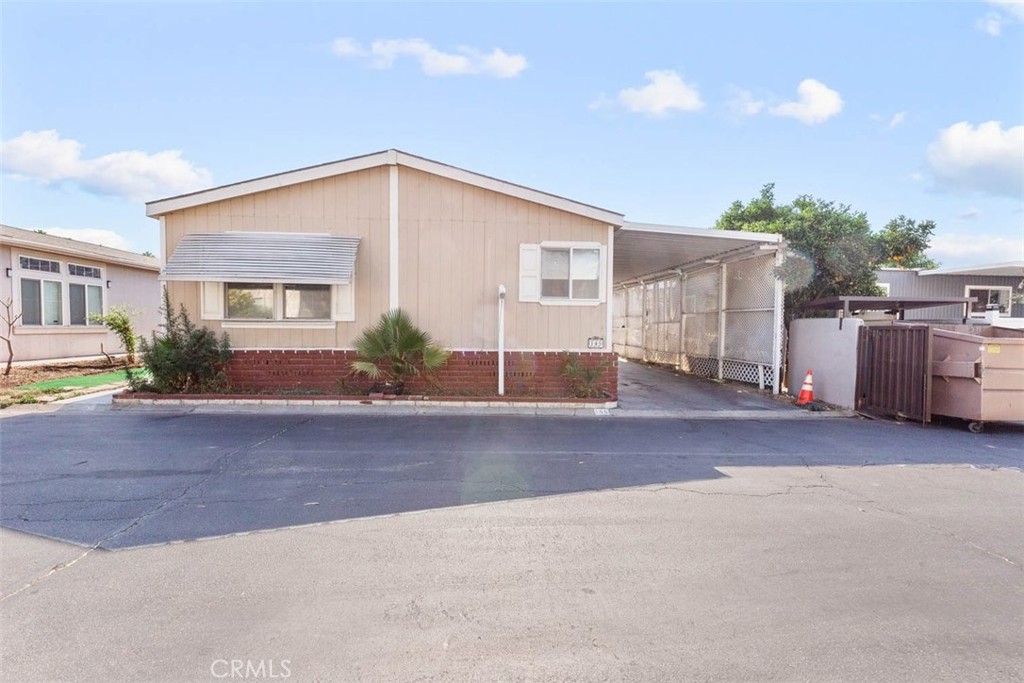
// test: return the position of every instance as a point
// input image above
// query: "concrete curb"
(528, 410)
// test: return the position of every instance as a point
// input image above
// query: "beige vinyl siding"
(458, 242)
(352, 204)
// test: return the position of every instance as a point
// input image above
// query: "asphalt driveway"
(646, 388)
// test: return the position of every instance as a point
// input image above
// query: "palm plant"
(395, 350)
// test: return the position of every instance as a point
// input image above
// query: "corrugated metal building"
(1001, 284)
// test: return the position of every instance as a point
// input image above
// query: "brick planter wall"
(468, 373)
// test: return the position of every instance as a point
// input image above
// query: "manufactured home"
(295, 266)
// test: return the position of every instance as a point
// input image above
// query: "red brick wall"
(468, 373)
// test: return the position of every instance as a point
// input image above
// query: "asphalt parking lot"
(120, 479)
(337, 546)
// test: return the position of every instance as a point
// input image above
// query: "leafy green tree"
(395, 350)
(834, 251)
(903, 242)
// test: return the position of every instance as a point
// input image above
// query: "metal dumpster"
(978, 376)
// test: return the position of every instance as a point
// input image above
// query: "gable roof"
(66, 246)
(391, 157)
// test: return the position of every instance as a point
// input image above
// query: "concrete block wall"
(467, 373)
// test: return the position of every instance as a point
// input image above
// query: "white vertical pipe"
(501, 340)
(777, 321)
(722, 294)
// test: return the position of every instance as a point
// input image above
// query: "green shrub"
(118, 320)
(395, 350)
(183, 359)
(583, 379)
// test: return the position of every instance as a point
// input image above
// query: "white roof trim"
(1006, 269)
(385, 158)
(297, 258)
(766, 237)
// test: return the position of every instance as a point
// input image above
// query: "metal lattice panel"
(701, 293)
(750, 284)
(749, 335)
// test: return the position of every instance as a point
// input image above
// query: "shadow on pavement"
(123, 479)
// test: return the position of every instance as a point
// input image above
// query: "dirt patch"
(30, 374)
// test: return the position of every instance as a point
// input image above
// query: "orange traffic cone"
(806, 391)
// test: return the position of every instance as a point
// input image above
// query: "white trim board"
(386, 158)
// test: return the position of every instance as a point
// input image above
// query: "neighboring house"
(1001, 284)
(57, 284)
(295, 266)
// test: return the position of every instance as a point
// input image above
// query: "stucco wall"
(137, 288)
(818, 344)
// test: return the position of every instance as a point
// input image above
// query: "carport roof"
(643, 249)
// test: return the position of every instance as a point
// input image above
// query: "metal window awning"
(301, 258)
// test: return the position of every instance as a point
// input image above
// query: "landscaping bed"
(60, 379)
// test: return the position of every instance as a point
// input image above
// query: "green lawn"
(82, 382)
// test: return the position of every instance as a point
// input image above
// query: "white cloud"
(815, 103)
(985, 158)
(743, 103)
(969, 214)
(664, 93)
(1005, 12)
(346, 47)
(991, 23)
(45, 157)
(974, 249)
(107, 238)
(465, 61)
(893, 121)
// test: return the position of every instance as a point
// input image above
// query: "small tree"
(185, 357)
(9, 320)
(119, 321)
(903, 242)
(395, 350)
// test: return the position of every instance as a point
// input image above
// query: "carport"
(704, 301)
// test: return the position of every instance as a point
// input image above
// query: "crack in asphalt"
(909, 519)
(217, 467)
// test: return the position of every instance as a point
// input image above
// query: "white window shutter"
(529, 272)
(344, 303)
(213, 301)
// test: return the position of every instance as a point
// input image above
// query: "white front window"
(41, 302)
(86, 302)
(562, 273)
(53, 293)
(986, 296)
(285, 303)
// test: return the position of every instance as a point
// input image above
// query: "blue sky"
(666, 112)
